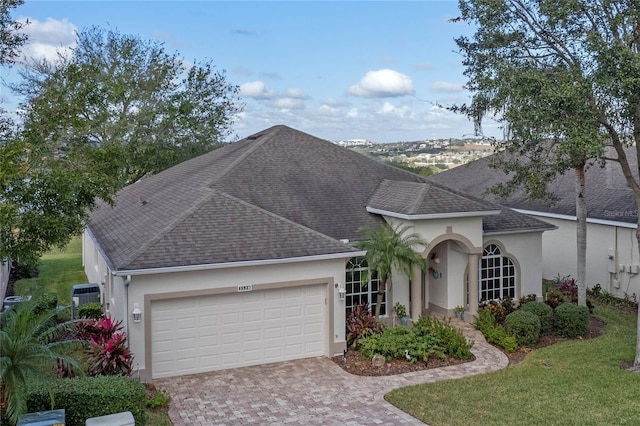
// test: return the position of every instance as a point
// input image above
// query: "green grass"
(59, 270)
(577, 382)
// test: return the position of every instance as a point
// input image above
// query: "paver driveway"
(311, 391)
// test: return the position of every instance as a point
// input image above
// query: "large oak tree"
(114, 110)
(563, 76)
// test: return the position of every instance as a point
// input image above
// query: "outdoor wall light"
(136, 313)
(341, 291)
(435, 258)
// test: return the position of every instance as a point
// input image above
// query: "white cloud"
(335, 103)
(296, 93)
(443, 86)
(48, 39)
(256, 90)
(385, 83)
(288, 103)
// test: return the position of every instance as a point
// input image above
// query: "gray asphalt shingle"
(278, 194)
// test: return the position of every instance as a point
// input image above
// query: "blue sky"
(337, 70)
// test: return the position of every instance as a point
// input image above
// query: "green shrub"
(543, 312)
(454, 342)
(526, 299)
(571, 320)
(44, 302)
(87, 397)
(495, 333)
(555, 298)
(90, 310)
(525, 326)
(428, 337)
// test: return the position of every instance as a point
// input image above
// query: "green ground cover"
(58, 271)
(577, 382)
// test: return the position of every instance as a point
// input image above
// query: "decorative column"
(473, 285)
(416, 293)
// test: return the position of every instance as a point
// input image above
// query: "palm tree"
(389, 246)
(29, 350)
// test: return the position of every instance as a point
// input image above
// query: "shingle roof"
(422, 198)
(277, 194)
(607, 194)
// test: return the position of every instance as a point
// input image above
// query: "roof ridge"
(419, 198)
(258, 141)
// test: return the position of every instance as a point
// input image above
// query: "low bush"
(360, 323)
(90, 310)
(499, 308)
(454, 342)
(526, 299)
(525, 326)
(87, 397)
(495, 333)
(542, 311)
(555, 298)
(571, 320)
(428, 337)
(44, 302)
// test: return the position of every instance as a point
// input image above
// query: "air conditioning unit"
(82, 294)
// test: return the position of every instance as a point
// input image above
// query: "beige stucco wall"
(525, 249)
(202, 281)
(559, 255)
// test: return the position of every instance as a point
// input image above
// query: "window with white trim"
(497, 277)
(362, 285)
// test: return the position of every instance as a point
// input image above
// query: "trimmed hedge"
(86, 397)
(524, 325)
(90, 310)
(543, 311)
(571, 320)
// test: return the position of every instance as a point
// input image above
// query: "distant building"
(355, 142)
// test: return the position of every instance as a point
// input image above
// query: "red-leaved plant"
(360, 323)
(108, 354)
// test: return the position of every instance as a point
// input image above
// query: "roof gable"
(422, 199)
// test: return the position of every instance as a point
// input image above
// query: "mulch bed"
(353, 364)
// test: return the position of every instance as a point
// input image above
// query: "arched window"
(362, 285)
(497, 275)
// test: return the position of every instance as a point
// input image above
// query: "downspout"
(127, 281)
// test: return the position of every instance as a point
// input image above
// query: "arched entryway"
(442, 284)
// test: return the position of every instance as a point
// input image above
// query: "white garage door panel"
(198, 334)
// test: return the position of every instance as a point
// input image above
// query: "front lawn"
(58, 271)
(573, 382)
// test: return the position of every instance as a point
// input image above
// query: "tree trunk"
(581, 235)
(636, 361)
(383, 286)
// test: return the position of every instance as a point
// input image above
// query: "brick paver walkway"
(311, 391)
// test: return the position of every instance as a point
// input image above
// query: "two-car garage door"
(197, 334)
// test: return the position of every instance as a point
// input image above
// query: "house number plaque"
(246, 287)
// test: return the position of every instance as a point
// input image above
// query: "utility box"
(118, 419)
(82, 294)
(43, 418)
